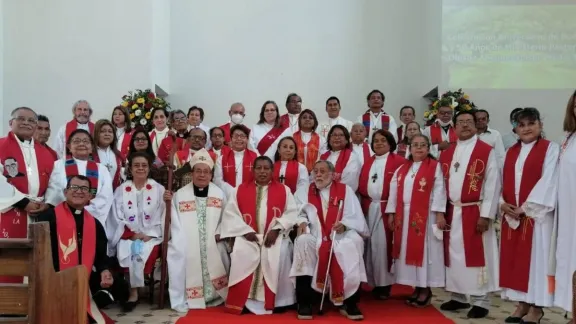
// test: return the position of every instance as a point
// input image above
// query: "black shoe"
(477, 312)
(423, 303)
(453, 306)
(382, 293)
(102, 298)
(512, 319)
(283, 309)
(351, 311)
(525, 322)
(129, 306)
(412, 299)
(304, 312)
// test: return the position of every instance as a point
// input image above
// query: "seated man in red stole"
(78, 238)
(82, 113)
(180, 130)
(319, 206)
(259, 217)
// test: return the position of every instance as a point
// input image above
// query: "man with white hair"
(320, 217)
(198, 261)
(236, 113)
(82, 113)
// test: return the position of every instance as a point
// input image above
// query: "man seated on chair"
(77, 238)
(259, 217)
(319, 218)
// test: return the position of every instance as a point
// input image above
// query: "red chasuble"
(116, 180)
(516, 245)
(311, 153)
(341, 163)
(246, 197)
(337, 193)
(269, 139)
(14, 222)
(419, 211)
(73, 125)
(393, 161)
(126, 139)
(471, 191)
(166, 147)
(71, 169)
(229, 167)
(385, 121)
(290, 177)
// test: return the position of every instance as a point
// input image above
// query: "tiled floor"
(145, 314)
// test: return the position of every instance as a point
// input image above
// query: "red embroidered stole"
(73, 125)
(341, 163)
(269, 139)
(52, 152)
(516, 245)
(471, 190)
(401, 149)
(366, 121)
(337, 193)
(291, 174)
(247, 204)
(419, 211)
(366, 151)
(229, 167)
(436, 136)
(226, 129)
(71, 169)
(311, 152)
(285, 121)
(125, 146)
(116, 180)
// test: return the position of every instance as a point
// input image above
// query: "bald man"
(236, 113)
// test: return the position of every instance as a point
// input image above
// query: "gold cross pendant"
(456, 166)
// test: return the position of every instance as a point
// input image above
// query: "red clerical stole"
(366, 151)
(385, 121)
(400, 133)
(247, 204)
(224, 150)
(285, 121)
(312, 149)
(165, 148)
(71, 169)
(229, 167)
(73, 125)
(269, 139)
(393, 161)
(470, 200)
(419, 211)
(341, 163)
(516, 245)
(290, 176)
(436, 134)
(337, 193)
(125, 146)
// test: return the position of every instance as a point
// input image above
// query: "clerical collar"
(383, 156)
(200, 192)
(75, 211)
(23, 140)
(259, 185)
(468, 141)
(359, 144)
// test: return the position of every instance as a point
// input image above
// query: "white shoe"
(181, 309)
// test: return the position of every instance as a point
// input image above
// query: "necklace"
(108, 163)
(28, 158)
(413, 171)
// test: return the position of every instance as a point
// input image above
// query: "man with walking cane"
(328, 250)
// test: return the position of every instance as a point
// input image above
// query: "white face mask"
(443, 124)
(237, 119)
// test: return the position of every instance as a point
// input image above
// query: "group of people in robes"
(296, 212)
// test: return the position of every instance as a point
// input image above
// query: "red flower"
(151, 95)
(128, 189)
(148, 105)
(149, 186)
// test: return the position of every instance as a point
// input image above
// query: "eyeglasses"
(236, 136)
(465, 122)
(76, 188)
(337, 135)
(22, 119)
(202, 172)
(217, 136)
(139, 139)
(445, 113)
(180, 119)
(81, 141)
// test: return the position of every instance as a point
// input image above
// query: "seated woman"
(403, 149)
(266, 134)
(80, 150)
(107, 153)
(137, 219)
(340, 154)
(287, 169)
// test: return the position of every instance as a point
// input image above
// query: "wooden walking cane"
(167, 221)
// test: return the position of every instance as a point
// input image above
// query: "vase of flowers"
(457, 100)
(141, 105)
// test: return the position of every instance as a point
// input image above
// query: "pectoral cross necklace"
(457, 158)
(282, 178)
(28, 160)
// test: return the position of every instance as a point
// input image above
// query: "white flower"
(454, 103)
(143, 122)
(138, 112)
(133, 125)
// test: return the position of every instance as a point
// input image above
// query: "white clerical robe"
(141, 211)
(219, 176)
(476, 281)
(59, 144)
(494, 139)
(445, 137)
(246, 257)
(99, 206)
(325, 126)
(566, 240)
(108, 159)
(359, 150)
(539, 206)
(348, 246)
(157, 136)
(432, 273)
(197, 278)
(260, 131)
(303, 177)
(376, 123)
(293, 126)
(351, 173)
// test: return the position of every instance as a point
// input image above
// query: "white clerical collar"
(529, 144)
(383, 156)
(165, 130)
(327, 188)
(79, 161)
(361, 144)
(468, 141)
(25, 143)
(239, 153)
(105, 150)
(335, 120)
(293, 115)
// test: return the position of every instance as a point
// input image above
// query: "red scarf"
(436, 134)
(116, 180)
(71, 169)
(337, 193)
(341, 163)
(312, 152)
(125, 147)
(516, 245)
(229, 167)
(366, 121)
(290, 177)
(72, 125)
(269, 139)
(247, 204)
(419, 211)
(471, 193)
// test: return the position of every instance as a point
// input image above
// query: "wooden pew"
(48, 297)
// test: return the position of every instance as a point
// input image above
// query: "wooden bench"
(48, 297)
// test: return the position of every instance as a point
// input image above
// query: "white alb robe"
(348, 246)
(184, 258)
(108, 159)
(293, 126)
(432, 273)
(159, 136)
(246, 257)
(303, 177)
(120, 131)
(434, 148)
(475, 281)
(99, 206)
(219, 176)
(141, 211)
(259, 131)
(351, 173)
(359, 150)
(59, 143)
(539, 206)
(325, 126)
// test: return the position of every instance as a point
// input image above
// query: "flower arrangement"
(141, 104)
(457, 100)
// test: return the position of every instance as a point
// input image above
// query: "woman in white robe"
(137, 221)
(268, 132)
(161, 129)
(346, 163)
(538, 209)
(287, 169)
(79, 149)
(105, 140)
(412, 129)
(431, 273)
